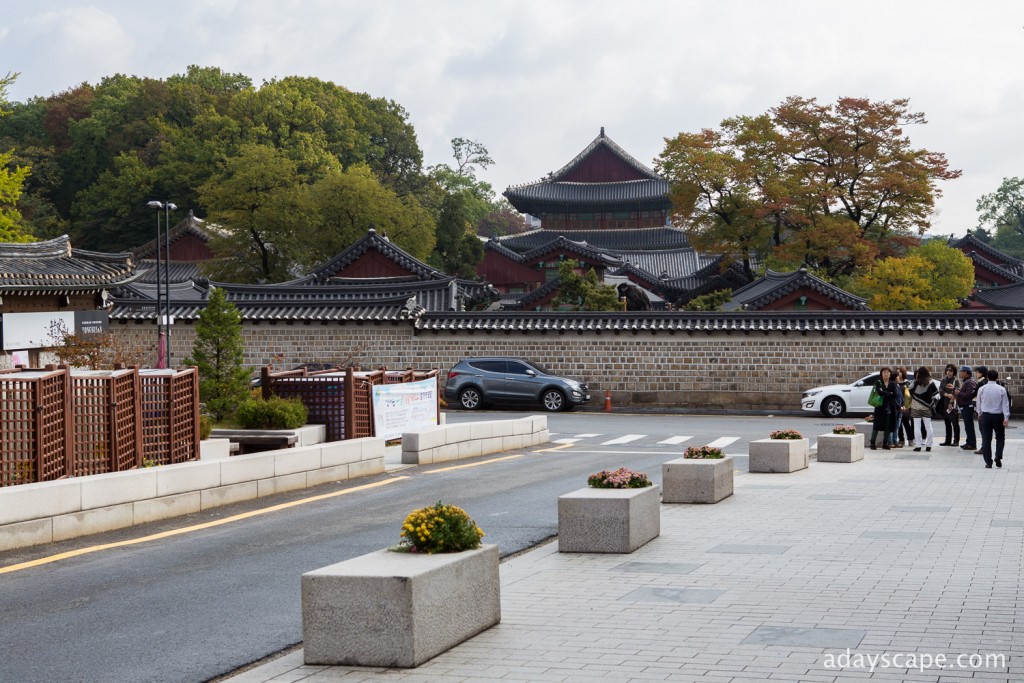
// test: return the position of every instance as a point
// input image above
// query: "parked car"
(475, 382)
(836, 400)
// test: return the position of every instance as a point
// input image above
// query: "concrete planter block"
(540, 423)
(423, 439)
(298, 459)
(373, 447)
(365, 468)
(865, 428)
(779, 455)
(481, 430)
(398, 609)
(186, 476)
(340, 453)
(503, 428)
(523, 425)
(214, 449)
(24, 534)
(114, 488)
(457, 433)
(226, 495)
(310, 435)
(840, 448)
(166, 507)
(689, 480)
(245, 468)
(608, 520)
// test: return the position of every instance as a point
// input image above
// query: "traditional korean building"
(607, 211)
(189, 247)
(795, 291)
(992, 267)
(47, 288)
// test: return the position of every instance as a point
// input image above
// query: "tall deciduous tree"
(218, 352)
(931, 277)
(11, 181)
(584, 292)
(345, 204)
(825, 186)
(1002, 212)
(458, 249)
(261, 202)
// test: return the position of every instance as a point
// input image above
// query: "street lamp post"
(161, 340)
(168, 207)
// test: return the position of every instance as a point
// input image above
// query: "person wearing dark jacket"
(965, 403)
(948, 385)
(922, 391)
(904, 425)
(887, 413)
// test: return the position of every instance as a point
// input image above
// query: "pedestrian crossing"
(594, 439)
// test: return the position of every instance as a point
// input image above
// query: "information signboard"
(404, 407)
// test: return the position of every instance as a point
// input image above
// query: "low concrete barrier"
(31, 514)
(472, 439)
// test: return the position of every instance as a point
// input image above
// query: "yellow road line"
(195, 527)
(474, 464)
(556, 448)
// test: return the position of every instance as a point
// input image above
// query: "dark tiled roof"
(859, 322)
(144, 292)
(969, 243)
(53, 267)
(177, 271)
(553, 191)
(372, 240)
(380, 310)
(672, 263)
(980, 261)
(615, 241)
(534, 198)
(561, 244)
(190, 225)
(773, 286)
(1007, 297)
(531, 299)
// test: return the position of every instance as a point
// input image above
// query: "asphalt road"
(194, 606)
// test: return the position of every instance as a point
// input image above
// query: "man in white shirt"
(993, 416)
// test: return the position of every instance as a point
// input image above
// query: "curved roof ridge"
(603, 140)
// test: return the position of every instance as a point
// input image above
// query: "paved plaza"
(902, 567)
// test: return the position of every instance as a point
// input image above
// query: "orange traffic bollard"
(607, 401)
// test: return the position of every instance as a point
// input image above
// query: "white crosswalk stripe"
(673, 440)
(587, 436)
(565, 440)
(723, 441)
(624, 439)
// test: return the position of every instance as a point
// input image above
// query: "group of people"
(904, 413)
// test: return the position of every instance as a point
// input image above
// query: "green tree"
(345, 204)
(932, 277)
(218, 352)
(829, 187)
(585, 292)
(712, 301)
(1002, 212)
(458, 249)
(12, 228)
(260, 201)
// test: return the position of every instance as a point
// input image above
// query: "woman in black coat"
(888, 413)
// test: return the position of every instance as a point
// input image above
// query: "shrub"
(703, 453)
(785, 434)
(439, 529)
(844, 429)
(622, 478)
(205, 427)
(275, 413)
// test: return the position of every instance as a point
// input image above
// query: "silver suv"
(474, 382)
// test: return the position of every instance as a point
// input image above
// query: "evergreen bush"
(275, 413)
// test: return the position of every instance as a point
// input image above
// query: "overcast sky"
(535, 80)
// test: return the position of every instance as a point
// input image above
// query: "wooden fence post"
(350, 403)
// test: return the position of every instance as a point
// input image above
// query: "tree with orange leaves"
(829, 187)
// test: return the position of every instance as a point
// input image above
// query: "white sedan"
(835, 400)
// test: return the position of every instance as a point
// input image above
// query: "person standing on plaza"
(948, 385)
(994, 412)
(904, 424)
(981, 379)
(965, 403)
(886, 414)
(922, 391)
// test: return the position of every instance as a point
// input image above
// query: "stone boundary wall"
(690, 370)
(445, 443)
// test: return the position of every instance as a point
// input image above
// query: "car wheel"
(553, 400)
(470, 398)
(833, 406)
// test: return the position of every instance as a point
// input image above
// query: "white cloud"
(534, 80)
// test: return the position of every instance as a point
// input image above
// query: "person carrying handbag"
(922, 391)
(948, 386)
(965, 403)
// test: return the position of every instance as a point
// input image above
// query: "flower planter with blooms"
(844, 444)
(786, 450)
(703, 453)
(622, 478)
(703, 475)
(618, 512)
(403, 606)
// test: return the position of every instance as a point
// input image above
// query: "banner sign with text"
(404, 407)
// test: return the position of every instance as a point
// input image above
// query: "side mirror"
(531, 373)
(859, 384)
